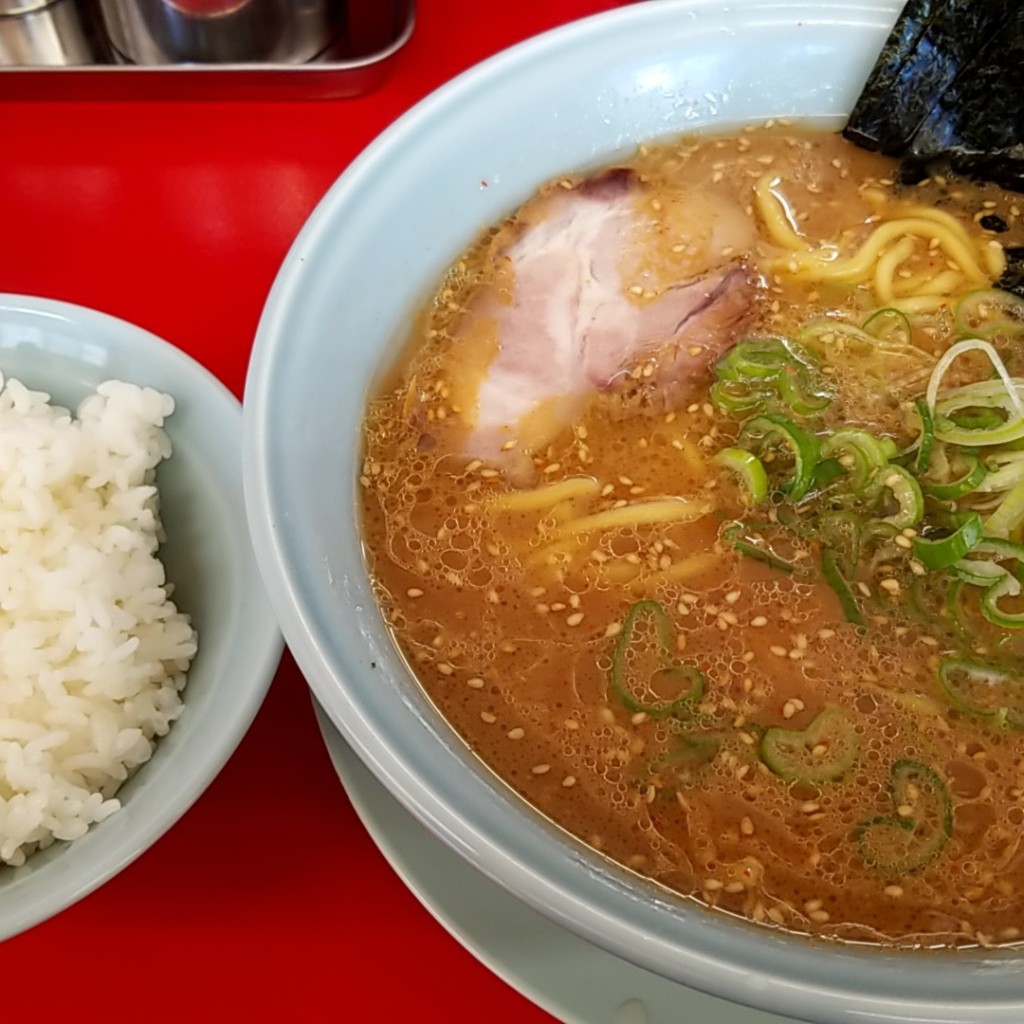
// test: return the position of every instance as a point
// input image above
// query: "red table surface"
(268, 900)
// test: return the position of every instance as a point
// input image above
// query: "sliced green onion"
(1005, 470)
(842, 533)
(770, 430)
(963, 485)
(923, 457)
(734, 396)
(943, 552)
(759, 369)
(797, 754)
(866, 451)
(748, 469)
(990, 311)
(835, 579)
(759, 554)
(907, 493)
(754, 357)
(1009, 515)
(918, 829)
(889, 324)
(660, 686)
(977, 419)
(797, 392)
(827, 472)
(983, 690)
(1003, 394)
(1007, 586)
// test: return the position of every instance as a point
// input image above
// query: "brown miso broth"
(718, 688)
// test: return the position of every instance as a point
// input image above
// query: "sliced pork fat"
(584, 303)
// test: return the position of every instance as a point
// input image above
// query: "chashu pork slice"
(582, 304)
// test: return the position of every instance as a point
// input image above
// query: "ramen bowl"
(66, 351)
(369, 257)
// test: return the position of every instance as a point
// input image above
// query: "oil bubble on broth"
(695, 505)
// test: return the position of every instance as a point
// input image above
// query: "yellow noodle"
(643, 513)
(547, 496)
(559, 551)
(619, 571)
(685, 570)
(858, 267)
(923, 303)
(995, 258)
(775, 213)
(945, 283)
(691, 457)
(885, 270)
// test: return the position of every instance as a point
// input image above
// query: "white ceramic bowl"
(368, 257)
(66, 351)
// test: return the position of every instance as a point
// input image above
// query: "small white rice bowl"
(136, 642)
(93, 652)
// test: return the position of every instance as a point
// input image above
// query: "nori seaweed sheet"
(977, 126)
(1013, 277)
(931, 44)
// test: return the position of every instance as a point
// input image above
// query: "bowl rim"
(808, 985)
(36, 892)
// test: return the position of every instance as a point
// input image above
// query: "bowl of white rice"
(136, 642)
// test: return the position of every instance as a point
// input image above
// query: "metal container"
(357, 60)
(43, 34)
(221, 31)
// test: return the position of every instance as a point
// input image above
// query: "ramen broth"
(778, 703)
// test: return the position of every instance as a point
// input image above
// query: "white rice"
(93, 654)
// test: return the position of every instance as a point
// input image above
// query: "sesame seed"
(540, 769)
(732, 597)
(759, 620)
(517, 733)
(818, 916)
(486, 716)
(746, 826)
(476, 683)
(575, 619)
(809, 807)
(414, 592)
(779, 652)
(903, 542)
(811, 905)
(639, 718)
(893, 890)
(445, 669)
(891, 585)
(569, 781)
(613, 629)
(712, 884)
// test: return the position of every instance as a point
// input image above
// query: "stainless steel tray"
(354, 66)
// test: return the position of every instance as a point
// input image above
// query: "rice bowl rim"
(364, 688)
(240, 666)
